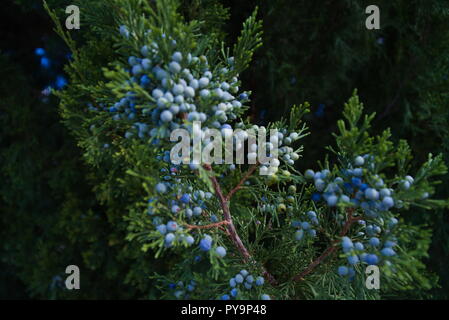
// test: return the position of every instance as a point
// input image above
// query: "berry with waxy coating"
(343, 271)
(220, 251)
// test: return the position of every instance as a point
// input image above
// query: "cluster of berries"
(181, 290)
(356, 187)
(244, 281)
(370, 248)
(359, 188)
(184, 90)
(306, 226)
(183, 203)
(179, 92)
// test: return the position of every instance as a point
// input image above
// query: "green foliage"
(77, 193)
(321, 51)
(126, 171)
(49, 217)
(249, 40)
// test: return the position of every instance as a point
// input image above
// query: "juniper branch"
(232, 232)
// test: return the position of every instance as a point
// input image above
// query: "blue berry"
(60, 82)
(132, 61)
(189, 212)
(346, 243)
(410, 179)
(359, 161)
(385, 192)
(371, 194)
(311, 214)
(208, 195)
(353, 259)
(124, 31)
(172, 226)
(190, 240)
(259, 281)
(169, 238)
(374, 241)
(379, 183)
(137, 69)
(343, 271)
(197, 211)
(45, 62)
(388, 252)
(388, 202)
(244, 273)
(220, 251)
(162, 228)
(145, 80)
(144, 51)
(393, 222)
(371, 259)
(389, 244)
(243, 96)
(299, 235)
(157, 93)
(316, 197)
(309, 174)
(39, 52)
(305, 225)
(177, 56)
(146, 64)
(332, 201)
(238, 278)
(166, 116)
(203, 82)
(174, 67)
(320, 184)
(351, 273)
(405, 185)
(185, 198)
(296, 224)
(356, 182)
(265, 297)
(205, 244)
(161, 188)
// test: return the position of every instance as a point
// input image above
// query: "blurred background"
(315, 51)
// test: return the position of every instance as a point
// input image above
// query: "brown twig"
(208, 226)
(232, 232)
(227, 216)
(245, 177)
(329, 251)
